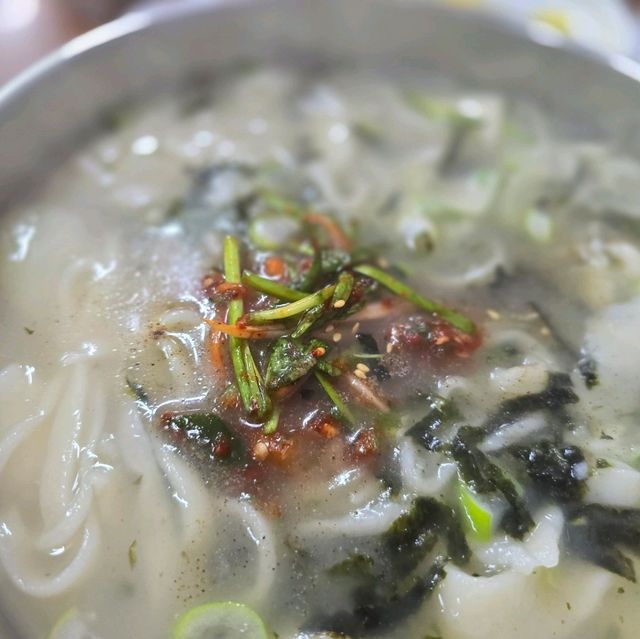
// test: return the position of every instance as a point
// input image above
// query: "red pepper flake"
(326, 426)
(209, 283)
(171, 428)
(230, 399)
(221, 448)
(275, 267)
(365, 443)
(437, 338)
(229, 289)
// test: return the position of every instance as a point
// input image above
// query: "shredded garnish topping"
(312, 286)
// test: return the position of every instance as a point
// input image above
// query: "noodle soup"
(323, 356)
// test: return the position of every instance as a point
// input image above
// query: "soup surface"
(295, 355)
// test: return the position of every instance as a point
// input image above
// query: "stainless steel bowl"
(47, 111)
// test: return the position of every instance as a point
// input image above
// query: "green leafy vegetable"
(260, 402)
(291, 360)
(293, 309)
(399, 288)
(343, 289)
(310, 276)
(333, 260)
(343, 410)
(207, 429)
(254, 398)
(308, 319)
(232, 276)
(269, 287)
(271, 425)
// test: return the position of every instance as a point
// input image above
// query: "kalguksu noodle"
(313, 355)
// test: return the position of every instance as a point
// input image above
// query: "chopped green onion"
(295, 308)
(477, 517)
(260, 402)
(343, 289)
(269, 287)
(250, 387)
(307, 320)
(396, 286)
(311, 275)
(232, 274)
(328, 368)
(220, 619)
(271, 425)
(334, 396)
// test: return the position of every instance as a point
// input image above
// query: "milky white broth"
(110, 528)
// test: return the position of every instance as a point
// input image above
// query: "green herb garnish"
(269, 287)
(293, 309)
(291, 360)
(343, 410)
(254, 399)
(457, 320)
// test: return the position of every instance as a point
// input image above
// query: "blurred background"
(31, 28)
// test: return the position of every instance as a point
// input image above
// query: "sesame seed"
(389, 347)
(360, 374)
(355, 327)
(545, 331)
(260, 451)
(337, 337)
(339, 303)
(494, 315)
(363, 367)
(383, 263)
(329, 328)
